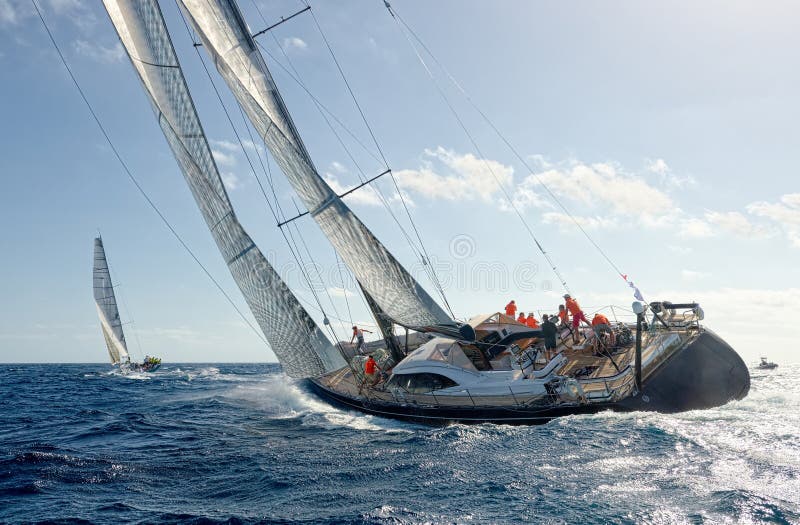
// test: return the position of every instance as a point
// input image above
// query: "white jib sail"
(107, 310)
(299, 344)
(227, 39)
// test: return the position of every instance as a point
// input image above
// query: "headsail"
(227, 39)
(107, 309)
(299, 344)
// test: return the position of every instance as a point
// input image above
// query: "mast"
(299, 344)
(227, 39)
(106, 303)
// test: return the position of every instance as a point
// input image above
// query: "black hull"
(706, 373)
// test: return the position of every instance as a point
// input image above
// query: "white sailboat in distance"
(110, 322)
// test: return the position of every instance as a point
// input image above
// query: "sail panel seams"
(107, 309)
(227, 39)
(299, 344)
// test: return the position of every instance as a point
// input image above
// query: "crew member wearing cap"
(549, 331)
(577, 316)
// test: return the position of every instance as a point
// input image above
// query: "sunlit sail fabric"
(299, 344)
(107, 309)
(227, 39)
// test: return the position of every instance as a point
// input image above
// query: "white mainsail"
(299, 344)
(227, 39)
(107, 310)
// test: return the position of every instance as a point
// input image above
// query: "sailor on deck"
(358, 333)
(522, 319)
(601, 326)
(563, 316)
(549, 330)
(511, 309)
(532, 322)
(577, 316)
(370, 373)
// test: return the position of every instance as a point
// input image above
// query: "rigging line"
(349, 89)
(484, 159)
(345, 291)
(426, 259)
(133, 178)
(422, 254)
(502, 137)
(267, 174)
(127, 310)
(362, 176)
(293, 249)
(319, 274)
(328, 111)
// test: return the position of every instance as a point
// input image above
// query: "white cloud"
(227, 145)
(224, 159)
(230, 180)
(8, 13)
(736, 223)
(587, 222)
(340, 292)
(235, 147)
(338, 167)
(365, 195)
(450, 176)
(658, 166)
(602, 187)
(695, 229)
(294, 43)
(785, 214)
(99, 53)
(667, 177)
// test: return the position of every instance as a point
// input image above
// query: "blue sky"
(670, 132)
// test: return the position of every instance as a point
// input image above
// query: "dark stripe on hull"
(706, 373)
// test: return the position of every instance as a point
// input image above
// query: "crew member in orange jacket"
(511, 309)
(531, 321)
(577, 316)
(371, 376)
(522, 319)
(601, 326)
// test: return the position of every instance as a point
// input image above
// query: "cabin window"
(421, 383)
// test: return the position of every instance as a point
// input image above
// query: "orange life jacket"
(521, 319)
(563, 315)
(511, 309)
(573, 306)
(532, 322)
(600, 319)
(369, 366)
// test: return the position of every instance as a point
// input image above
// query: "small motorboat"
(767, 365)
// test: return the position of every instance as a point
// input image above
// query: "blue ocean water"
(241, 443)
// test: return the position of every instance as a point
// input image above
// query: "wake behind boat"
(110, 323)
(490, 368)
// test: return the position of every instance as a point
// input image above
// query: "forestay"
(299, 344)
(227, 39)
(107, 310)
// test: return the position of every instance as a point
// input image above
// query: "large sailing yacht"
(486, 369)
(110, 323)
